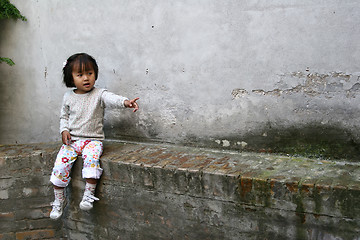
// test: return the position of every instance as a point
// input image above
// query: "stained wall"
(252, 75)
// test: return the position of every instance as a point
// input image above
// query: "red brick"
(6, 215)
(246, 186)
(36, 234)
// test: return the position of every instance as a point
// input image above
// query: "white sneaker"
(87, 201)
(57, 209)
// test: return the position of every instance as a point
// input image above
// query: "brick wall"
(25, 193)
(170, 192)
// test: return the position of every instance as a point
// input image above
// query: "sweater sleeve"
(111, 100)
(64, 115)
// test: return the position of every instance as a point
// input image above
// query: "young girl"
(81, 127)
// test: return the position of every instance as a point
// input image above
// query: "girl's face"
(84, 80)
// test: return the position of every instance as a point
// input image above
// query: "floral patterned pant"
(90, 150)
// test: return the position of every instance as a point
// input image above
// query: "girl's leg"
(91, 171)
(60, 178)
(65, 159)
(58, 204)
(91, 180)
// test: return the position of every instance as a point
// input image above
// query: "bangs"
(82, 64)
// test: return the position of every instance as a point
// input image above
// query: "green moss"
(317, 200)
(263, 192)
(300, 213)
(265, 174)
(308, 140)
(323, 150)
(315, 141)
(345, 202)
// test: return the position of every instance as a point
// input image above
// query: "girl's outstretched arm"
(132, 104)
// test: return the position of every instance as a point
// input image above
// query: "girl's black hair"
(82, 61)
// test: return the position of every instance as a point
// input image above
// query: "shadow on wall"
(311, 140)
(124, 125)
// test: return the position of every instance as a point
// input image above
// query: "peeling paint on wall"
(311, 84)
(353, 90)
(227, 143)
(238, 93)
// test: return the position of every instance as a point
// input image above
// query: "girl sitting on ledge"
(81, 127)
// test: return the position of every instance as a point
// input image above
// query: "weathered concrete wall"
(153, 191)
(235, 74)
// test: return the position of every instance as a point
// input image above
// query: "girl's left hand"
(132, 104)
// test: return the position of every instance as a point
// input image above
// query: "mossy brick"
(184, 162)
(44, 223)
(262, 192)
(354, 195)
(35, 203)
(74, 234)
(4, 194)
(7, 216)
(194, 183)
(25, 189)
(23, 214)
(164, 179)
(7, 235)
(142, 177)
(226, 188)
(180, 180)
(245, 190)
(176, 188)
(19, 162)
(344, 202)
(70, 224)
(164, 163)
(2, 161)
(87, 228)
(115, 171)
(145, 162)
(13, 226)
(278, 189)
(6, 183)
(135, 158)
(324, 184)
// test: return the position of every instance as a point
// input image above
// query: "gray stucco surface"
(231, 74)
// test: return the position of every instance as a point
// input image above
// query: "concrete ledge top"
(240, 164)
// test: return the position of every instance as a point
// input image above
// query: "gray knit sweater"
(82, 115)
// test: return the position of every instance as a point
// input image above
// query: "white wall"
(205, 71)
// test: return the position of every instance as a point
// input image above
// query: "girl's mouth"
(86, 84)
